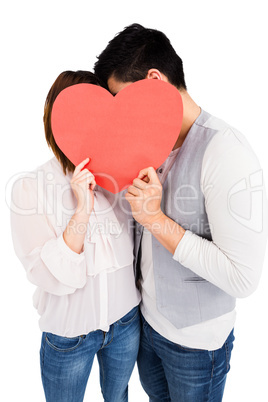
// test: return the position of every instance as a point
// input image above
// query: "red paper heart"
(121, 134)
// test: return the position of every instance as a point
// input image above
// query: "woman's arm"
(51, 261)
(83, 184)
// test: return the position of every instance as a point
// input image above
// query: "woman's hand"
(83, 183)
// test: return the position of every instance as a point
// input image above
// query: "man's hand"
(144, 196)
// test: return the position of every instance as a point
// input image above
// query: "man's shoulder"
(217, 125)
(225, 138)
(228, 154)
(211, 122)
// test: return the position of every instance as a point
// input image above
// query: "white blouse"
(76, 293)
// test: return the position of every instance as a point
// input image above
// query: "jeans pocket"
(63, 344)
(129, 317)
(191, 350)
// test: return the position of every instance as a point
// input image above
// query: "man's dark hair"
(134, 51)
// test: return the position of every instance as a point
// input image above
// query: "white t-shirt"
(238, 220)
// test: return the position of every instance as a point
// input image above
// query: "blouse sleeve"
(49, 263)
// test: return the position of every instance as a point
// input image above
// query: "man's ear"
(154, 74)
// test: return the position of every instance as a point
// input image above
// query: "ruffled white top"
(76, 293)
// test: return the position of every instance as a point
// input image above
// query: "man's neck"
(190, 113)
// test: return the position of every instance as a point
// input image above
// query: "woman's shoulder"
(50, 171)
(29, 184)
(51, 167)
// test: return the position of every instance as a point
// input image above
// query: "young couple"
(198, 253)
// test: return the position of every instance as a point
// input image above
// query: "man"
(200, 239)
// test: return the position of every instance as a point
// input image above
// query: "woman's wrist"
(83, 211)
(75, 232)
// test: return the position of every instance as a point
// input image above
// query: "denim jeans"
(66, 362)
(171, 372)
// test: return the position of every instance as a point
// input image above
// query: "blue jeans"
(66, 362)
(171, 372)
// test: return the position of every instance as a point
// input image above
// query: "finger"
(85, 179)
(138, 183)
(82, 175)
(151, 175)
(134, 190)
(129, 197)
(93, 184)
(146, 172)
(146, 179)
(80, 166)
(89, 179)
(83, 172)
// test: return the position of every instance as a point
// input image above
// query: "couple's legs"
(66, 362)
(169, 372)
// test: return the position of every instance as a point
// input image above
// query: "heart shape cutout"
(121, 134)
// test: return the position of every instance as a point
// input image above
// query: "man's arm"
(233, 259)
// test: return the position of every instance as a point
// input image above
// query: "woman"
(75, 243)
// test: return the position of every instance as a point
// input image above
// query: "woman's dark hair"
(64, 80)
(134, 51)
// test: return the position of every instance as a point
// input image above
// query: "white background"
(224, 49)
